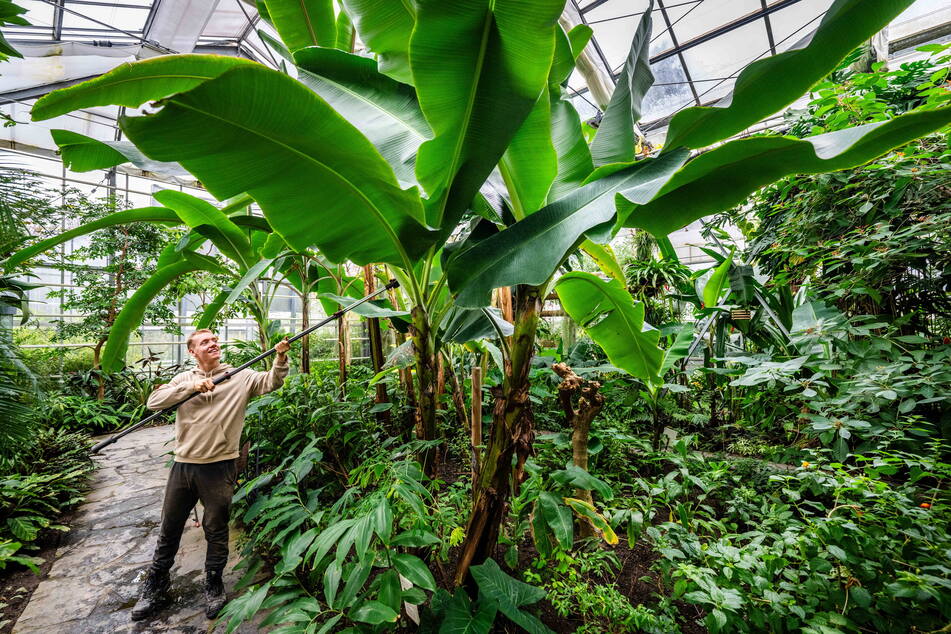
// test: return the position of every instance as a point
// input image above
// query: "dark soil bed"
(17, 583)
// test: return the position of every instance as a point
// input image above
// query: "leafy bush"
(826, 547)
(45, 479)
(74, 413)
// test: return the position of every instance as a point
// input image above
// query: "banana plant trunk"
(426, 373)
(510, 441)
(305, 340)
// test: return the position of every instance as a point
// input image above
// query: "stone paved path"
(94, 581)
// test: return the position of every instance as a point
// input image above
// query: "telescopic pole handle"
(108, 441)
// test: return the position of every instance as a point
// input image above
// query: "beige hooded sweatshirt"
(208, 427)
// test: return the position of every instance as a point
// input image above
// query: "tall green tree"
(105, 272)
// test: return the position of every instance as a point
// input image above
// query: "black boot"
(214, 594)
(154, 595)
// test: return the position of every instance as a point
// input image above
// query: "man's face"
(205, 349)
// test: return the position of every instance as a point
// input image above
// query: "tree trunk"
(343, 354)
(96, 362)
(590, 402)
(510, 439)
(305, 340)
(376, 347)
(424, 345)
(458, 398)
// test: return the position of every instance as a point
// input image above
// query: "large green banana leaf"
(376, 308)
(479, 67)
(713, 289)
(145, 214)
(385, 26)
(83, 154)
(614, 321)
(767, 86)
(530, 163)
(603, 255)
(571, 148)
(462, 325)
(317, 179)
(133, 84)
(614, 141)
(678, 349)
(302, 23)
(725, 176)
(130, 317)
(195, 212)
(384, 110)
(529, 251)
(211, 310)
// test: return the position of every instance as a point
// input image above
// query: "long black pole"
(224, 377)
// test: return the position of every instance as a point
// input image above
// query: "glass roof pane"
(669, 92)
(705, 17)
(792, 23)
(228, 20)
(614, 24)
(125, 18)
(726, 54)
(37, 13)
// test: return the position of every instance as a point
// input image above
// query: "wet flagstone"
(95, 579)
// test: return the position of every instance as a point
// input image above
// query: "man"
(207, 433)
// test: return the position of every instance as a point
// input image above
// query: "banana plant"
(377, 161)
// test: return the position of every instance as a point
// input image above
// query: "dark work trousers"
(212, 483)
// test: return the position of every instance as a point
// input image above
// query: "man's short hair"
(188, 341)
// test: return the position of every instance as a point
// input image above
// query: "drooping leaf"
(726, 175)
(345, 32)
(210, 312)
(252, 275)
(195, 212)
(462, 325)
(271, 142)
(597, 521)
(145, 214)
(384, 110)
(413, 568)
(571, 148)
(130, 317)
(302, 23)
(614, 320)
(385, 27)
(530, 161)
(678, 349)
(368, 309)
(529, 251)
(768, 85)
(374, 613)
(582, 479)
(332, 576)
(82, 154)
(479, 68)
(133, 84)
(604, 257)
(391, 591)
(355, 580)
(714, 286)
(614, 141)
(558, 518)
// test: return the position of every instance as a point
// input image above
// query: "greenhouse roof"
(697, 47)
